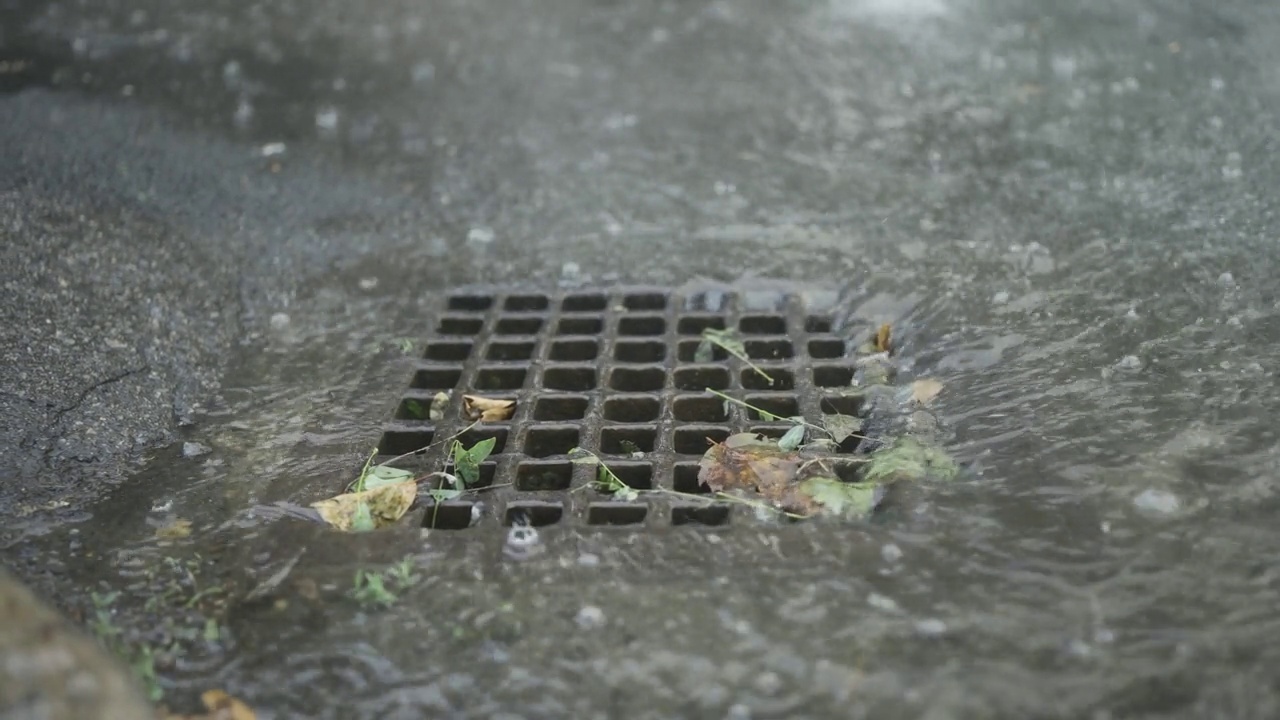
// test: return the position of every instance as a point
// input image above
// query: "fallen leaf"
(884, 339)
(705, 352)
(475, 407)
(909, 459)
(385, 505)
(747, 462)
(174, 530)
(218, 705)
(380, 475)
(841, 498)
(840, 426)
(793, 439)
(439, 405)
(924, 390)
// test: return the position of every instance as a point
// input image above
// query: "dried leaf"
(475, 407)
(884, 339)
(924, 390)
(175, 529)
(910, 459)
(439, 405)
(218, 705)
(385, 505)
(840, 426)
(746, 462)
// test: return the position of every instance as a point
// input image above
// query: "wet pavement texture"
(223, 222)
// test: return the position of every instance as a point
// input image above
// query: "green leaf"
(380, 475)
(211, 631)
(481, 450)
(630, 448)
(839, 498)
(840, 426)
(793, 438)
(443, 494)
(705, 352)
(909, 459)
(362, 520)
(415, 409)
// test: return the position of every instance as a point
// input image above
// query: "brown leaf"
(386, 503)
(746, 462)
(218, 705)
(484, 409)
(884, 339)
(924, 390)
(176, 529)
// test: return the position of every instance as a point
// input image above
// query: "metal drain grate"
(612, 371)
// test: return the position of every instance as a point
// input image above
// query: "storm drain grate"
(614, 372)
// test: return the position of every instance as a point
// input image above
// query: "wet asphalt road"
(172, 175)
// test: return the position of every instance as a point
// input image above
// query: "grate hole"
(518, 325)
(401, 442)
(709, 301)
(575, 350)
(475, 435)
(779, 405)
(632, 409)
(619, 440)
(695, 324)
(580, 326)
(763, 325)
(764, 301)
(569, 378)
(696, 440)
(817, 324)
(616, 513)
(717, 514)
(448, 352)
(642, 325)
(700, 409)
(826, 349)
(414, 408)
(537, 514)
(637, 476)
(768, 349)
(687, 349)
(772, 432)
(843, 404)
(526, 303)
(543, 476)
(702, 378)
(685, 479)
(645, 301)
(640, 352)
(545, 441)
(832, 376)
(448, 516)
(637, 379)
(782, 379)
(459, 326)
(492, 378)
(470, 303)
(436, 379)
(510, 351)
(564, 407)
(584, 303)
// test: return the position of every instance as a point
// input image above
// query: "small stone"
(768, 683)
(280, 321)
(1000, 298)
(1129, 362)
(193, 449)
(589, 560)
(891, 553)
(880, 602)
(589, 617)
(931, 627)
(480, 235)
(368, 283)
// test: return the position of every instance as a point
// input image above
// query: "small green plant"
(374, 588)
(466, 461)
(728, 341)
(606, 480)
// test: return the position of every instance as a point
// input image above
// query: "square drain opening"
(632, 408)
(547, 441)
(717, 514)
(702, 378)
(617, 372)
(544, 476)
(569, 378)
(616, 513)
(537, 514)
(627, 440)
(560, 407)
(450, 515)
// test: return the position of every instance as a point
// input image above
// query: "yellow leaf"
(175, 530)
(218, 705)
(386, 504)
(924, 390)
(486, 409)
(884, 339)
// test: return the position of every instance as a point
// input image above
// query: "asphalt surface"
(173, 176)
